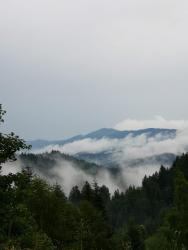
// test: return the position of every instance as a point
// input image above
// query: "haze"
(68, 67)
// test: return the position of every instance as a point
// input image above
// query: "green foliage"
(36, 215)
(9, 143)
(121, 240)
(93, 233)
(75, 195)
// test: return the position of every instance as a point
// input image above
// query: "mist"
(135, 156)
(11, 167)
(127, 149)
(68, 175)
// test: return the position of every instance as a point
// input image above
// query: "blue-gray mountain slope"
(108, 133)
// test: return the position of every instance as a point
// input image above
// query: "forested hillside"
(66, 170)
(45, 162)
(35, 215)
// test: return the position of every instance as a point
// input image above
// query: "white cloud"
(67, 175)
(11, 167)
(129, 148)
(156, 122)
(124, 152)
(135, 175)
(81, 146)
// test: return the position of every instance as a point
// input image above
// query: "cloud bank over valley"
(131, 153)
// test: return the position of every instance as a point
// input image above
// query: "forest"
(38, 216)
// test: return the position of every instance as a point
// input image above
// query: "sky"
(70, 67)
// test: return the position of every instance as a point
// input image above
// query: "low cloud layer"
(127, 149)
(68, 175)
(85, 145)
(135, 157)
(156, 122)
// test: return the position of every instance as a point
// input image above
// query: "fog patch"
(135, 175)
(68, 175)
(11, 167)
(85, 145)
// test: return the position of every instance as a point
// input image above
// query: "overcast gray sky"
(69, 67)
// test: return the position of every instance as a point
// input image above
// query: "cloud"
(135, 156)
(141, 147)
(156, 122)
(129, 148)
(92, 62)
(85, 145)
(68, 175)
(11, 167)
(135, 175)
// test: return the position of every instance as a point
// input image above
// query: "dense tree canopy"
(9, 143)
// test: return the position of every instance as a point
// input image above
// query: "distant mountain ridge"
(107, 133)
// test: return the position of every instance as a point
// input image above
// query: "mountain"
(116, 134)
(115, 152)
(107, 133)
